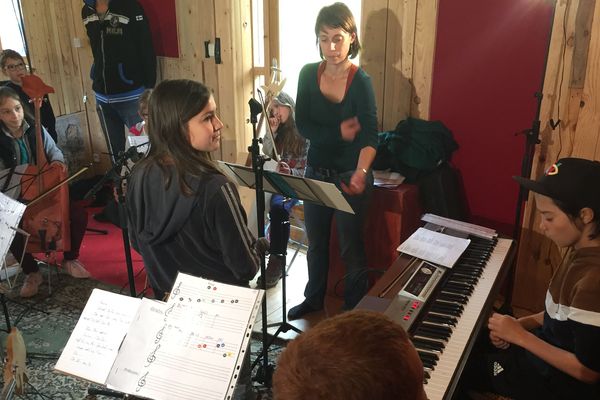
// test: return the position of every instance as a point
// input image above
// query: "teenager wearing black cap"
(555, 354)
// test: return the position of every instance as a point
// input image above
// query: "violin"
(46, 217)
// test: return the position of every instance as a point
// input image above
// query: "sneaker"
(274, 272)
(31, 284)
(75, 268)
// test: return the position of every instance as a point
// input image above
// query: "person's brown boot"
(274, 271)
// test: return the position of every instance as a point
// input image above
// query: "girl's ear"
(586, 215)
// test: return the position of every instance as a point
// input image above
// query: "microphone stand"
(114, 174)
(531, 139)
(265, 372)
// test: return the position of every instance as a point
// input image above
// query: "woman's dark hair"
(572, 212)
(172, 104)
(8, 92)
(338, 15)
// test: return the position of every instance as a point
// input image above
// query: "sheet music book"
(11, 213)
(190, 347)
(434, 247)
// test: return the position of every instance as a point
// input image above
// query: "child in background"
(292, 149)
(14, 67)
(17, 147)
(139, 129)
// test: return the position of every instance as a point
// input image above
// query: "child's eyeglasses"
(12, 67)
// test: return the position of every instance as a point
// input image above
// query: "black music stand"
(310, 190)
(10, 216)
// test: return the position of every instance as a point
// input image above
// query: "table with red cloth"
(394, 214)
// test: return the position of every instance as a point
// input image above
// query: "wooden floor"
(295, 282)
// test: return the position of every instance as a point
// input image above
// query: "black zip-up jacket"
(204, 234)
(124, 58)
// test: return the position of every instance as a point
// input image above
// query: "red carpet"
(104, 256)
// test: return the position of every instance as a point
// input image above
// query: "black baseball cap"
(573, 181)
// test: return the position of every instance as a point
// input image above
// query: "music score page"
(189, 347)
(434, 247)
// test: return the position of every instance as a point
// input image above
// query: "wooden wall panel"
(398, 38)
(233, 27)
(424, 50)
(373, 34)
(51, 29)
(399, 62)
(587, 144)
(576, 136)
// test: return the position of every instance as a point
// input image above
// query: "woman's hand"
(357, 183)
(350, 128)
(505, 328)
(283, 168)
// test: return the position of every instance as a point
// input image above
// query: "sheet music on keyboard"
(461, 226)
(434, 247)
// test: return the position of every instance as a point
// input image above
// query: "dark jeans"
(78, 224)
(114, 118)
(279, 229)
(350, 236)
(518, 374)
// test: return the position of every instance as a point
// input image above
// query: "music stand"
(305, 189)
(11, 212)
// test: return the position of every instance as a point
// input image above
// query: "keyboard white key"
(443, 374)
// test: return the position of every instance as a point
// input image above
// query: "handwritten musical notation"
(187, 348)
(95, 341)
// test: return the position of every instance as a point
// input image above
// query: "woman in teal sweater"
(336, 111)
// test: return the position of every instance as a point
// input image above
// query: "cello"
(46, 217)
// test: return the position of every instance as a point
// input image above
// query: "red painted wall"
(489, 62)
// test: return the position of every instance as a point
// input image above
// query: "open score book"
(190, 347)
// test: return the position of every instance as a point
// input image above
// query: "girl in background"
(292, 149)
(17, 147)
